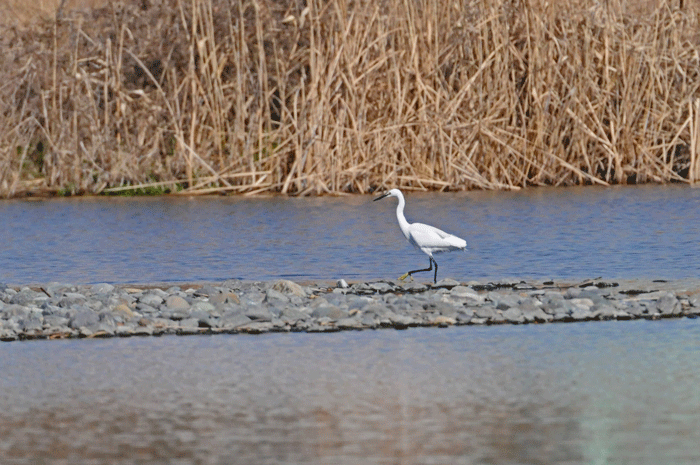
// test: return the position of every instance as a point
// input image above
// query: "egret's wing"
(425, 236)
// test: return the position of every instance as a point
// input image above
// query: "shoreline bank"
(60, 311)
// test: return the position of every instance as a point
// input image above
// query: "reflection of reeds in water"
(345, 96)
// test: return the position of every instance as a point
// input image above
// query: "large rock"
(464, 293)
(33, 323)
(151, 299)
(14, 310)
(258, 313)
(668, 305)
(83, 318)
(101, 288)
(233, 320)
(175, 302)
(27, 296)
(292, 315)
(274, 296)
(485, 312)
(514, 315)
(329, 311)
(289, 287)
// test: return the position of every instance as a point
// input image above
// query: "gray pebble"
(329, 311)
(349, 323)
(291, 315)
(83, 318)
(33, 323)
(536, 315)
(151, 299)
(256, 327)
(203, 307)
(581, 303)
(176, 302)
(381, 287)
(258, 313)
(144, 308)
(52, 321)
(581, 314)
(572, 292)
(272, 295)
(668, 305)
(14, 310)
(448, 283)
(464, 318)
(189, 323)
(102, 288)
(694, 300)
(485, 312)
(514, 315)
(414, 287)
(604, 312)
(142, 331)
(504, 302)
(7, 334)
(27, 296)
(401, 320)
(289, 287)
(234, 320)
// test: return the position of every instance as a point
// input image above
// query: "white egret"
(428, 239)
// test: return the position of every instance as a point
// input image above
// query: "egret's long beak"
(386, 194)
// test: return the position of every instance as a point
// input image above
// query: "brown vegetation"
(324, 96)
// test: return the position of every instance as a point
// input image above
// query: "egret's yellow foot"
(404, 276)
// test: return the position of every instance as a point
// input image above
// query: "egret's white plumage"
(428, 239)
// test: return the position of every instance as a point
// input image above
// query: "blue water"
(584, 393)
(546, 233)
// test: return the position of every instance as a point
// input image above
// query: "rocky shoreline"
(57, 311)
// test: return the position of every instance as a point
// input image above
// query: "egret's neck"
(403, 224)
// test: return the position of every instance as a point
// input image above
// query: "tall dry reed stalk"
(329, 96)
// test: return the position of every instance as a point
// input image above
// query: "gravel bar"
(57, 310)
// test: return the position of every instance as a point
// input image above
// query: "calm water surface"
(586, 393)
(621, 232)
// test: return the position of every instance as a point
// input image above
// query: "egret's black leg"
(426, 269)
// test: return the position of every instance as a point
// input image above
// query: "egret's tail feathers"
(456, 242)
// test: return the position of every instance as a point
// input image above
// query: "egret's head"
(391, 193)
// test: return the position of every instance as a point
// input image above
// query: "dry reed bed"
(335, 96)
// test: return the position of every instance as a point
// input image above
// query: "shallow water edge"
(59, 311)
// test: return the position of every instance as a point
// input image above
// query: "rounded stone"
(27, 296)
(151, 299)
(329, 311)
(485, 312)
(203, 307)
(233, 320)
(101, 288)
(464, 292)
(668, 304)
(175, 302)
(290, 287)
(292, 315)
(83, 318)
(257, 313)
(514, 315)
(272, 295)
